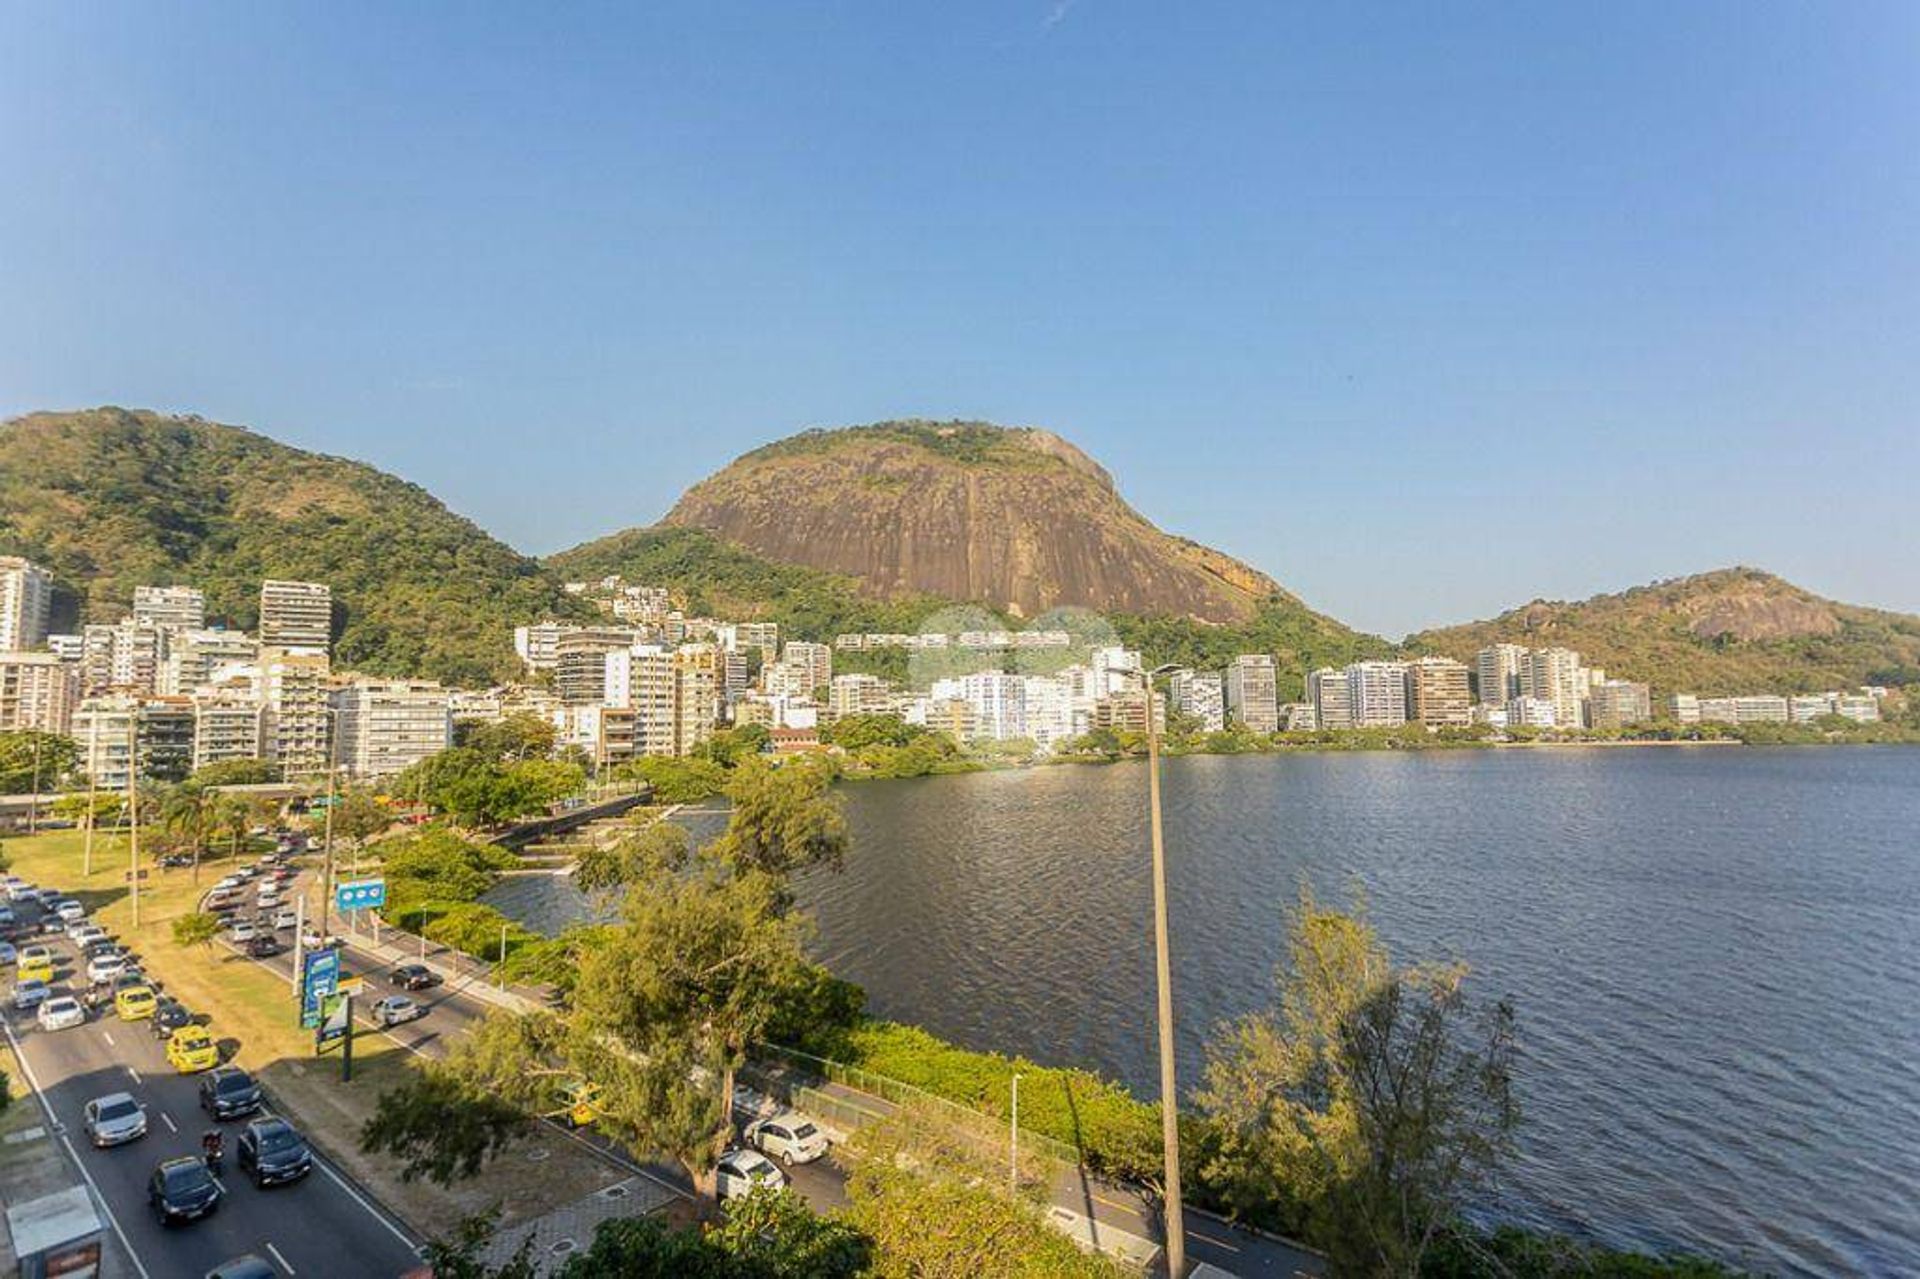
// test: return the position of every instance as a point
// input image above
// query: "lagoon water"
(1713, 953)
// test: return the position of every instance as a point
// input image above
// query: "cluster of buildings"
(164, 692)
(1862, 707)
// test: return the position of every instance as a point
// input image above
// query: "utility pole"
(1163, 978)
(1013, 1140)
(346, 1044)
(333, 768)
(133, 812)
(93, 782)
(500, 973)
(33, 800)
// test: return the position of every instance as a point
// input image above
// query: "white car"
(69, 910)
(266, 900)
(105, 968)
(228, 884)
(62, 1012)
(285, 917)
(741, 1170)
(84, 935)
(789, 1136)
(396, 1009)
(242, 930)
(11, 886)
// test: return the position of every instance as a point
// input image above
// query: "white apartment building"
(1377, 692)
(1805, 708)
(538, 644)
(1115, 670)
(1555, 675)
(296, 615)
(67, 647)
(999, 702)
(126, 656)
(293, 684)
(1251, 692)
(227, 726)
(1530, 712)
(856, 695)
(642, 679)
(813, 661)
(1047, 704)
(180, 607)
(196, 659)
(1200, 695)
(1684, 707)
(386, 726)
(1328, 695)
(38, 692)
(26, 602)
(157, 732)
(698, 670)
(1861, 708)
(1498, 672)
(1618, 703)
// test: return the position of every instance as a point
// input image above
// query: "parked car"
(413, 977)
(788, 1136)
(105, 968)
(114, 1120)
(273, 1152)
(741, 1170)
(10, 884)
(30, 993)
(580, 1102)
(135, 1003)
(104, 946)
(182, 1189)
(191, 1049)
(241, 931)
(62, 1012)
(176, 860)
(169, 1015)
(7, 917)
(263, 946)
(228, 1092)
(284, 918)
(395, 1010)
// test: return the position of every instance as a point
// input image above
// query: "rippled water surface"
(1713, 952)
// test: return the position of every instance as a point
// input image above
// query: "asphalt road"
(318, 1226)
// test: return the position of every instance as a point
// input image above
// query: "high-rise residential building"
(641, 678)
(1115, 669)
(1201, 696)
(1439, 693)
(1125, 711)
(538, 644)
(37, 692)
(815, 659)
(125, 657)
(1252, 692)
(999, 702)
(180, 607)
(698, 672)
(1555, 675)
(1498, 671)
(580, 662)
(1377, 692)
(1048, 704)
(736, 678)
(67, 647)
(739, 637)
(227, 726)
(196, 659)
(1328, 694)
(1530, 712)
(1617, 703)
(856, 694)
(26, 603)
(296, 614)
(387, 726)
(293, 684)
(156, 732)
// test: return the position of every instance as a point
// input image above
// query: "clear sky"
(1427, 309)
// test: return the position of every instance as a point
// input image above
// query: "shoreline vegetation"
(436, 876)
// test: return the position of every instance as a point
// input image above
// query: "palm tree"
(187, 813)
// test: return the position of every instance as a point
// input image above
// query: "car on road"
(248, 1266)
(105, 968)
(175, 860)
(264, 946)
(741, 1170)
(135, 1003)
(7, 917)
(395, 1010)
(182, 1189)
(9, 953)
(413, 977)
(114, 1120)
(284, 918)
(69, 909)
(788, 1136)
(104, 946)
(10, 884)
(191, 1049)
(228, 1092)
(83, 934)
(62, 1012)
(273, 1152)
(169, 1015)
(30, 993)
(35, 955)
(313, 939)
(242, 931)
(579, 1103)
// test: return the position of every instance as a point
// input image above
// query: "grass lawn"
(252, 1016)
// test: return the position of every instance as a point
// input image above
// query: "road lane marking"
(99, 1199)
(284, 1264)
(356, 1196)
(108, 1037)
(134, 1073)
(167, 1119)
(1218, 1243)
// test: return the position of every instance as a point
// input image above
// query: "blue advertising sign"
(319, 978)
(360, 894)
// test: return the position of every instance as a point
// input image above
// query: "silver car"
(115, 1119)
(789, 1136)
(395, 1009)
(62, 1012)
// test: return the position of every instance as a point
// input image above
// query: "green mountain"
(1735, 630)
(110, 498)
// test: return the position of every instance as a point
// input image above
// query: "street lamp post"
(93, 781)
(133, 812)
(333, 772)
(1013, 1139)
(1163, 980)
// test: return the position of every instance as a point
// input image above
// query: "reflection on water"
(1711, 950)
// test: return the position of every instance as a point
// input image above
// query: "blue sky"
(1425, 309)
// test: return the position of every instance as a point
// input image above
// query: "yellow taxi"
(135, 1003)
(35, 963)
(192, 1049)
(579, 1103)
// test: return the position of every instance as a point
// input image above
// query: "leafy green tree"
(187, 814)
(359, 816)
(1368, 1104)
(235, 772)
(676, 781)
(520, 736)
(785, 818)
(197, 929)
(461, 1255)
(29, 755)
(731, 745)
(767, 1234)
(856, 732)
(657, 849)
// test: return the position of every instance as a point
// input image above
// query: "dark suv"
(228, 1092)
(272, 1151)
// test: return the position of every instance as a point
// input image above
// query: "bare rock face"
(1015, 518)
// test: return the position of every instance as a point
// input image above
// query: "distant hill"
(1729, 631)
(110, 498)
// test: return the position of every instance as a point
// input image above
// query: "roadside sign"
(351, 986)
(319, 978)
(360, 894)
(333, 1025)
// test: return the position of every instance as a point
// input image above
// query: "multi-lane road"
(320, 1225)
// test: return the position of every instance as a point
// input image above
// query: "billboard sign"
(360, 894)
(319, 978)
